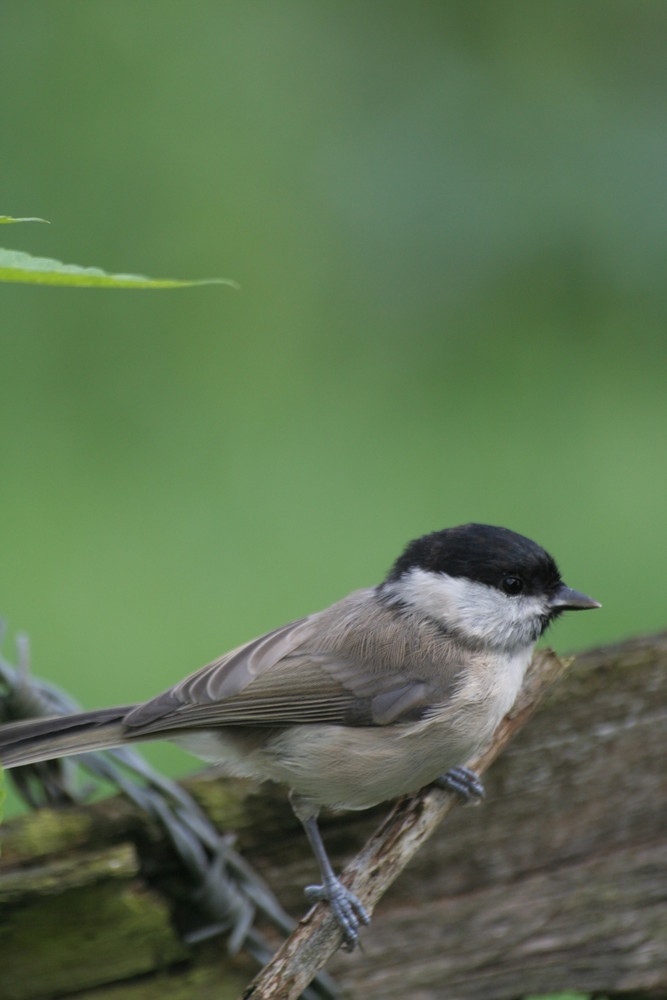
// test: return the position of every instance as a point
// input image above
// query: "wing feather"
(285, 678)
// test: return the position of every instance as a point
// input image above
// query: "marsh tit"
(388, 690)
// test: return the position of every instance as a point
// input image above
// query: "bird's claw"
(347, 908)
(464, 782)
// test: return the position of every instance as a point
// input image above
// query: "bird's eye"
(512, 585)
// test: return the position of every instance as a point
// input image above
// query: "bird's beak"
(566, 599)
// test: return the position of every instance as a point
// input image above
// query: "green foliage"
(16, 266)
(8, 219)
(21, 267)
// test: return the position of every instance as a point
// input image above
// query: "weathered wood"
(558, 881)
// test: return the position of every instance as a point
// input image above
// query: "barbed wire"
(224, 893)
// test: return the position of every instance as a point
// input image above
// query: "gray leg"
(464, 782)
(348, 910)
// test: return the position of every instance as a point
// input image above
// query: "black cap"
(485, 554)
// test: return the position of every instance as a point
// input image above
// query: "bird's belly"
(355, 768)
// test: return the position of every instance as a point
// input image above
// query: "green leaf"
(4, 219)
(21, 267)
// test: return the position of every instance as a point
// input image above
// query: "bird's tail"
(61, 735)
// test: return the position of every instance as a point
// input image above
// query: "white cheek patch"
(473, 610)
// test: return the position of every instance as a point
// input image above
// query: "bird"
(391, 689)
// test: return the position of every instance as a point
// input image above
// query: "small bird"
(393, 688)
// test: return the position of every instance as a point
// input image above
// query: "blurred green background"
(448, 224)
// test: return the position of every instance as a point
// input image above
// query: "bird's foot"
(464, 782)
(348, 910)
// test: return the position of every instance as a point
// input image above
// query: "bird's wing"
(283, 678)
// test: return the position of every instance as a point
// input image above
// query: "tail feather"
(39, 739)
